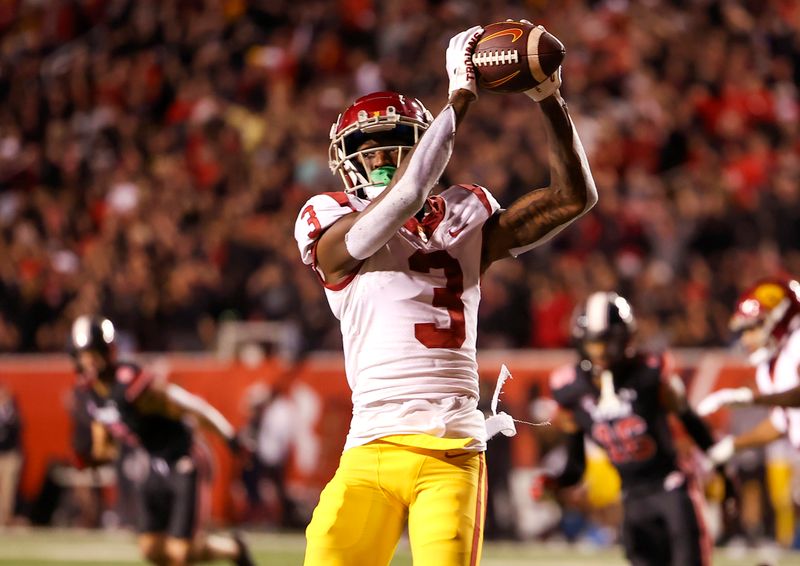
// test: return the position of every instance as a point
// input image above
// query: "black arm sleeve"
(696, 428)
(576, 461)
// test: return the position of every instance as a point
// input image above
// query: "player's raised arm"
(400, 186)
(542, 213)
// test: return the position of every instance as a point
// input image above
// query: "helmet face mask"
(765, 315)
(602, 330)
(377, 159)
(395, 121)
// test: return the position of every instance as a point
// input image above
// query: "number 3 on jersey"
(448, 297)
(312, 220)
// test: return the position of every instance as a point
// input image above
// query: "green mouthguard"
(382, 175)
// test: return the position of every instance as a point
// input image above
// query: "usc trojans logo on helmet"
(767, 312)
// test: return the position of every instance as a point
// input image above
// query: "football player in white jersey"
(768, 319)
(401, 261)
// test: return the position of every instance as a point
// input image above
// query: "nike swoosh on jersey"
(457, 231)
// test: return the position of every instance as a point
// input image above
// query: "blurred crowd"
(154, 156)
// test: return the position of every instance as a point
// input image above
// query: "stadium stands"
(153, 156)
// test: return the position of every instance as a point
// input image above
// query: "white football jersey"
(409, 317)
(781, 376)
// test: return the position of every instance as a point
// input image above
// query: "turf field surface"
(24, 547)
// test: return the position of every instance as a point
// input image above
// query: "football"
(515, 56)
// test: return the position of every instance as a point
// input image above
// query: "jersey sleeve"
(470, 206)
(317, 215)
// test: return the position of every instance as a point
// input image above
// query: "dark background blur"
(154, 156)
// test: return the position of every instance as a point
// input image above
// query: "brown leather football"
(515, 56)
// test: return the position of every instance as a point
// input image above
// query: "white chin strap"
(373, 191)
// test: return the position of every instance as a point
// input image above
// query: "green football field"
(82, 548)
(74, 548)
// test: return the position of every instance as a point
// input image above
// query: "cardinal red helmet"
(401, 118)
(772, 306)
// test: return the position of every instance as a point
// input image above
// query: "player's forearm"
(461, 100)
(204, 412)
(788, 398)
(764, 433)
(672, 397)
(406, 195)
(569, 166)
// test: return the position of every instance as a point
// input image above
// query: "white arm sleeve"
(200, 407)
(381, 221)
(591, 197)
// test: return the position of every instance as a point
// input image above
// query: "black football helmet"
(607, 318)
(94, 333)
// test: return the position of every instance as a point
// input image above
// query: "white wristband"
(547, 87)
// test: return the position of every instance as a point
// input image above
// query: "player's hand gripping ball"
(516, 56)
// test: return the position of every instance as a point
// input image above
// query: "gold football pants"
(381, 487)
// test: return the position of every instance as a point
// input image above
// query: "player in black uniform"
(621, 399)
(128, 406)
